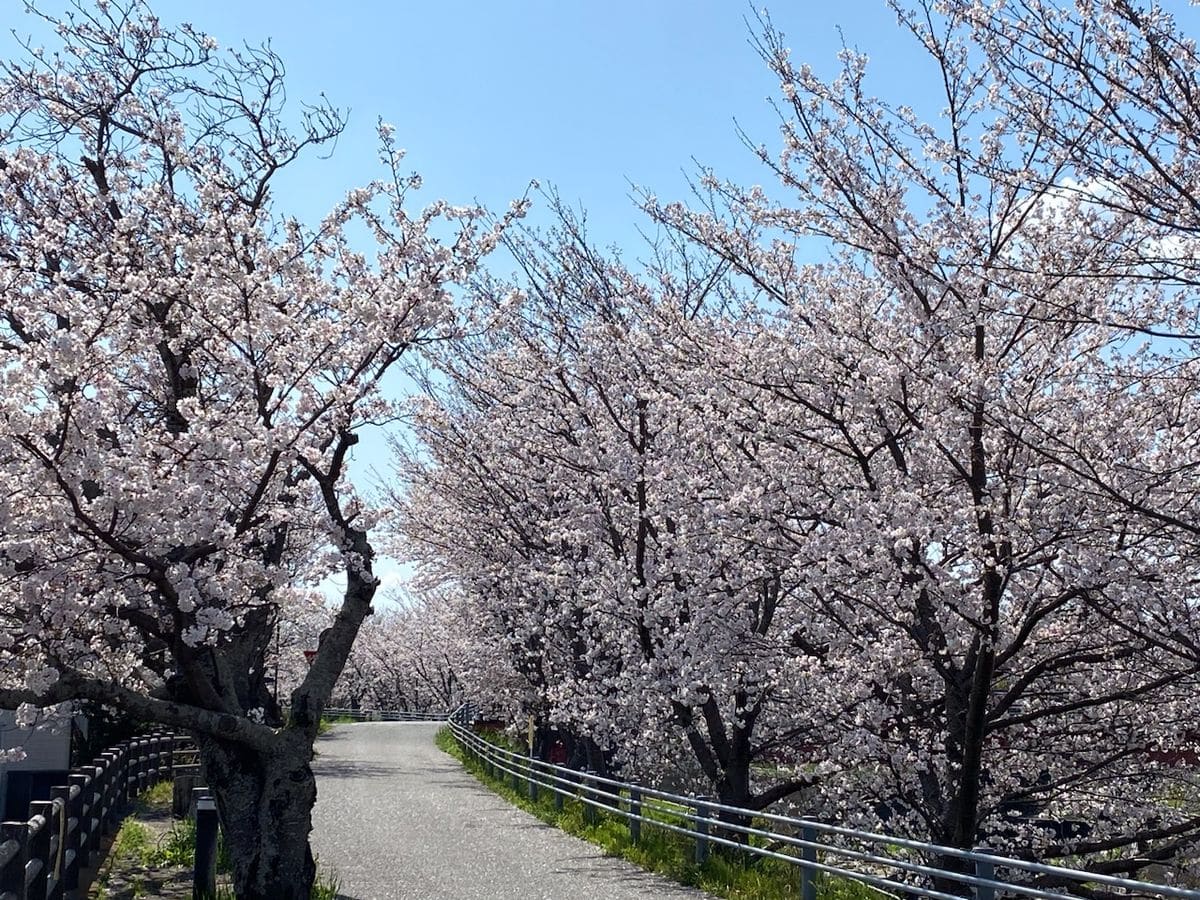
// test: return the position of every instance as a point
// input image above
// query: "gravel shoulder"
(398, 819)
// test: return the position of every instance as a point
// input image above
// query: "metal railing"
(890, 864)
(384, 715)
(41, 858)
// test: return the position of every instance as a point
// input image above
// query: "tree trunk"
(734, 790)
(265, 803)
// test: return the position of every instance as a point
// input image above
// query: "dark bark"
(726, 757)
(265, 802)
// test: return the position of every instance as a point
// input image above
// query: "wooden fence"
(41, 858)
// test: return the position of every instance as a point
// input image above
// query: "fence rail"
(385, 715)
(890, 864)
(41, 858)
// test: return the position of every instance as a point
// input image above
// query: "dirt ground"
(131, 864)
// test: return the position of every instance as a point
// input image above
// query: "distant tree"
(184, 373)
(409, 658)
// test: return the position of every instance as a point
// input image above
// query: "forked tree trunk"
(265, 803)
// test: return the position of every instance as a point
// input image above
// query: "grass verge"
(736, 876)
(327, 723)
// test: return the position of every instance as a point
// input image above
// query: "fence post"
(591, 815)
(144, 761)
(12, 876)
(112, 788)
(153, 759)
(83, 827)
(68, 869)
(39, 848)
(808, 875)
(986, 871)
(131, 767)
(204, 879)
(129, 782)
(95, 821)
(170, 758)
(163, 763)
(701, 830)
(635, 813)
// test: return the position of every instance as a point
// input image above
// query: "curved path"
(398, 818)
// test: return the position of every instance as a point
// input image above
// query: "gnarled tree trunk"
(265, 804)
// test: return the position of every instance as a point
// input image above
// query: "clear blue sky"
(586, 95)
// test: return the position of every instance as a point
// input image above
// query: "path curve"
(398, 819)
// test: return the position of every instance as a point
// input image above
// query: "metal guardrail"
(816, 847)
(385, 715)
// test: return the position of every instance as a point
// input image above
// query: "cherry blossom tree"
(965, 582)
(971, 635)
(185, 371)
(1111, 89)
(582, 476)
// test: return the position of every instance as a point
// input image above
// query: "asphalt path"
(398, 818)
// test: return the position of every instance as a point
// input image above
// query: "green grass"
(727, 873)
(158, 795)
(134, 841)
(327, 723)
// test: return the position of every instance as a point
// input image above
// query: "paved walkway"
(397, 819)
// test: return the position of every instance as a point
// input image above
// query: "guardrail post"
(516, 779)
(533, 786)
(808, 855)
(591, 815)
(986, 871)
(701, 830)
(204, 879)
(12, 876)
(635, 815)
(557, 788)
